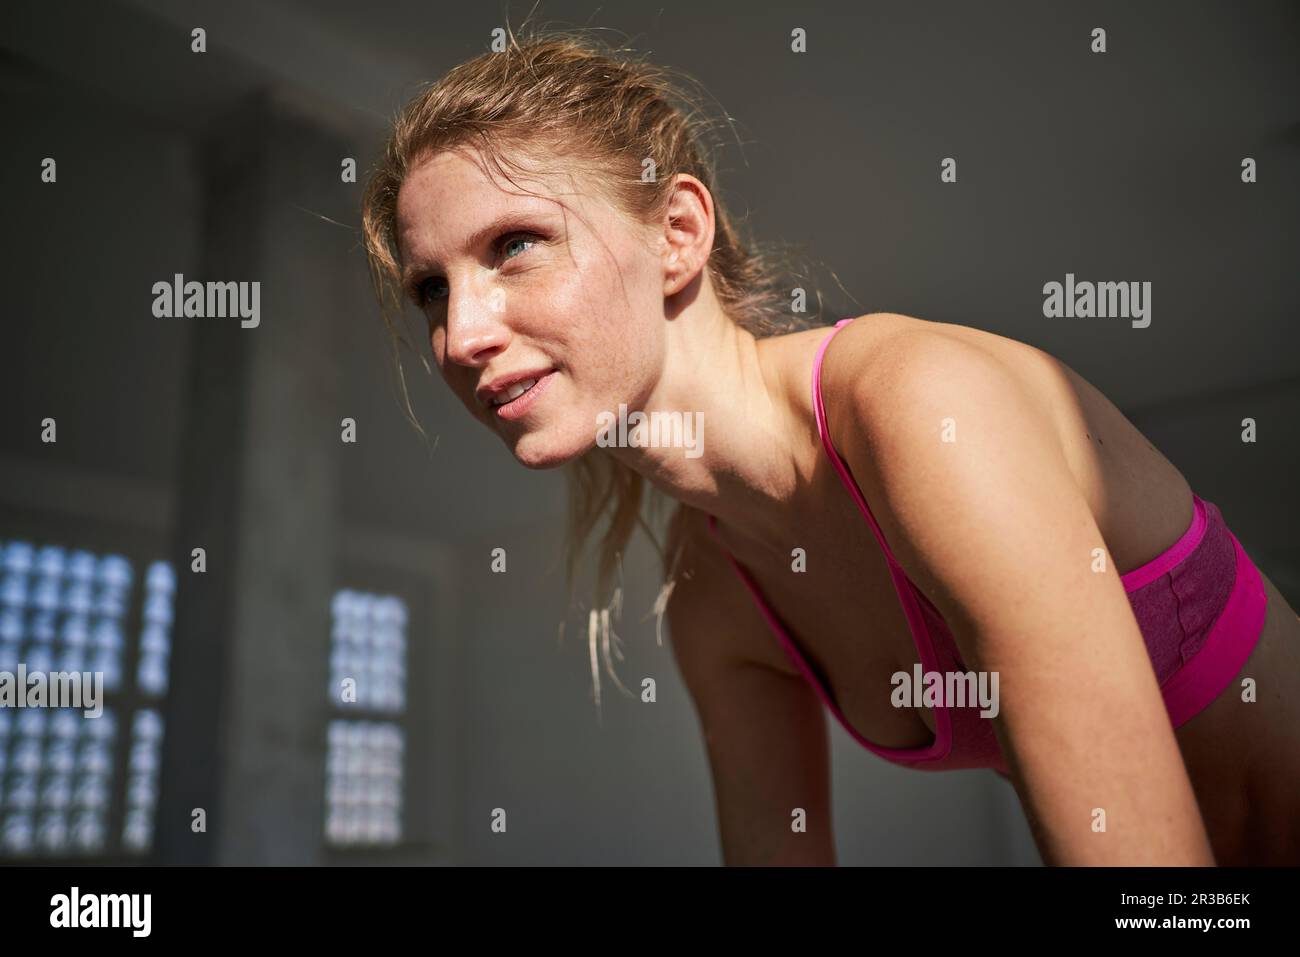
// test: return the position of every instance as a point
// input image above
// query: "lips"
(518, 407)
(509, 387)
(514, 392)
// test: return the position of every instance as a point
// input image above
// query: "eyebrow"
(515, 219)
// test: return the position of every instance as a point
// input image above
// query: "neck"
(753, 452)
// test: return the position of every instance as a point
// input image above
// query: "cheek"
(617, 322)
(455, 378)
(596, 320)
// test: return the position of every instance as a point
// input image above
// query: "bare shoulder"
(885, 368)
(712, 619)
(900, 392)
(895, 349)
(933, 420)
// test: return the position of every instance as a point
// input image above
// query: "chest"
(833, 594)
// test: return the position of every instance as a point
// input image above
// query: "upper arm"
(764, 731)
(971, 488)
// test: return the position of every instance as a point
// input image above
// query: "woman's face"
(518, 285)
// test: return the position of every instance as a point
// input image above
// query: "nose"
(476, 328)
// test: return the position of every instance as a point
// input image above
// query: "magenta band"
(1226, 649)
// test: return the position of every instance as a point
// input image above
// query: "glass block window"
(56, 771)
(364, 783)
(364, 776)
(62, 611)
(155, 632)
(368, 647)
(68, 611)
(142, 779)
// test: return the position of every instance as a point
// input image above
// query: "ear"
(688, 232)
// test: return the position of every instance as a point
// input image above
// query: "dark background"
(174, 433)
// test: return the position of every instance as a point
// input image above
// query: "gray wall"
(1123, 166)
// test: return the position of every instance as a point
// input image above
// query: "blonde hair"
(569, 95)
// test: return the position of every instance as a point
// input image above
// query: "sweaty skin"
(617, 312)
(1240, 757)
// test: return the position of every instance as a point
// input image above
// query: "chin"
(548, 450)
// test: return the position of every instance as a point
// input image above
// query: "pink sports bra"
(1200, 606)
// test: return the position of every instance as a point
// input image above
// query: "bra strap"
(824, 430)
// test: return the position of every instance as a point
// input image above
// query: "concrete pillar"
(258, 488)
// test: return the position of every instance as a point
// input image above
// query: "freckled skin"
(589, 294)
(584, 298)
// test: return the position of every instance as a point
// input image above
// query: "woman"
(868, 512)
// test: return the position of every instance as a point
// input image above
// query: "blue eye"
(422, 293)
(517, 237)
